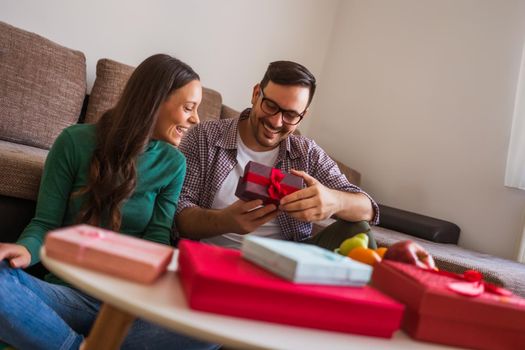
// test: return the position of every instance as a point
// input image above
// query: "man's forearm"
(199, 223)
(354, 207)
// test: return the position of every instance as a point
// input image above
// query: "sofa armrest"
(426, 227)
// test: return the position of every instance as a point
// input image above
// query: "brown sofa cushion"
(110, 81)
(20, 170)
(42, 87)
(228, 112)
(210, 107)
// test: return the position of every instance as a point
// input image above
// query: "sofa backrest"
(42, 90)
(110, 81)
(42, 87)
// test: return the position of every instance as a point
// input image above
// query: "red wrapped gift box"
(438, 314)
(219, 280)
(266, 183)
(114, 253)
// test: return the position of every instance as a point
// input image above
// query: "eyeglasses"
(271, 108)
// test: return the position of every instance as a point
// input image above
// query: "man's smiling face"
(267, 130)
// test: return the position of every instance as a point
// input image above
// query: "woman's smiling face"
(178, 113)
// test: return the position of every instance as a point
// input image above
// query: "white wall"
(418, 96)
(228, 42)
(415, 94)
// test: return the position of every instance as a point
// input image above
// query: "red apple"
(411, 253)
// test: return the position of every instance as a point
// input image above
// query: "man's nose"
(276, 120)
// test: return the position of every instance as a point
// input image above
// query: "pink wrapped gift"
(105, 251)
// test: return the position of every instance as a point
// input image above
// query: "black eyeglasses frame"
(281, 110)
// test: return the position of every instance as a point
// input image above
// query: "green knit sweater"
(147, 214)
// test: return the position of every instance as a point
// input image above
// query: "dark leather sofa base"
(15, 214)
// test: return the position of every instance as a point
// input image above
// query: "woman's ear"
(255, 93)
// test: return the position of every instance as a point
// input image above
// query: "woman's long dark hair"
(123, 133)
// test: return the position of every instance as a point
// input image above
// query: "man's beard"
(259, 129)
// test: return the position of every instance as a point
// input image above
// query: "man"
(217, 152)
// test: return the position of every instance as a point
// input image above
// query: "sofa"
(43, 90)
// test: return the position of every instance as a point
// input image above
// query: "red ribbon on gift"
(471, 284)
(276, 189)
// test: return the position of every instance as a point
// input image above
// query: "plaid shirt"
(211, 152)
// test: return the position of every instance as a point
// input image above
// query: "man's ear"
(255, 93)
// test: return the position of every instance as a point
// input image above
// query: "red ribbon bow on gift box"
(471, 284)
(276, 189)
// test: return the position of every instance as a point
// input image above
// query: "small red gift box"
(435, 312)
(219, 280)
(113, 253)
(266, 183)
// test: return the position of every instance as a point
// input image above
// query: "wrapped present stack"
(109, 252)
(219, 280)
(452, 309)
(268, 184)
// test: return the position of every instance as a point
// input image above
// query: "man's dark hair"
(289, 73)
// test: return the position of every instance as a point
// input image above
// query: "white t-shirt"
(226, 195)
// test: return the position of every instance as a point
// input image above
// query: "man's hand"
(245, 217)
(18, 255)
(313, 203)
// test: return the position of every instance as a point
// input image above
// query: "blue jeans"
(35, 314)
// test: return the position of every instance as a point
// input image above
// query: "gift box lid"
(304, 263)
(428, 294)
(219, 280)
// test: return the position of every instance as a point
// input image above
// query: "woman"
(123, 174)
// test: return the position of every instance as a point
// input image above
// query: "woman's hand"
(18, 255)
